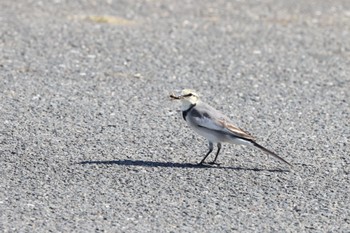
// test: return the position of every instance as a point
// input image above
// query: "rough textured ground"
(89, 141)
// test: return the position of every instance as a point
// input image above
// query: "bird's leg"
(217, 154)
(211, 147)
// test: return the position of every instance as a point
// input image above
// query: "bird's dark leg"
(217, 154)
(211, 147)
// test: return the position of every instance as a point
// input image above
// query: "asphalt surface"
(90, 142)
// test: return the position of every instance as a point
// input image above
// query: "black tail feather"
(271, 153)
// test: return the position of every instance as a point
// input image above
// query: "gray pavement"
(90, 142)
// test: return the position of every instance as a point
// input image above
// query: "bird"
(214, 125)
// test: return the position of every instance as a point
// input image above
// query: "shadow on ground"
(142, 163)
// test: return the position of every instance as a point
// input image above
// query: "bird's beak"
(174, 97)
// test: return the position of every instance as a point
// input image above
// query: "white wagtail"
(213, 125)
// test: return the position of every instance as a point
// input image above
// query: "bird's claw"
(215, 163)
(210, 163)
(201, 164)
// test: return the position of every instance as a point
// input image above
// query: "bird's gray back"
(204, 110)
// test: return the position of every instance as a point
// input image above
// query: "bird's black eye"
(188, 95)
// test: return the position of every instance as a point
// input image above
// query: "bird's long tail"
(271, 153)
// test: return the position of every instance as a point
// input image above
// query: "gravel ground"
(90, 142)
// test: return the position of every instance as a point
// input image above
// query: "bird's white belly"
(210, 136)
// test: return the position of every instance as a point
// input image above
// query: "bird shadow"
(142, 163)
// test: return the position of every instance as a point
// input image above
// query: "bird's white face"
(188, 97)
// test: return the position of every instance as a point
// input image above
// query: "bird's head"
(188, 97)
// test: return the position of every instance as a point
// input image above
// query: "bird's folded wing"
(222, 125)
(235, 130)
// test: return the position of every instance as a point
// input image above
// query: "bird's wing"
(235, 130)
(208, 117)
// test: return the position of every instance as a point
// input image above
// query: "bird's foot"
(201, 164)
(204, 164)
(215, 163)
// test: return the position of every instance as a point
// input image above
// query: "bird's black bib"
(184, 113)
